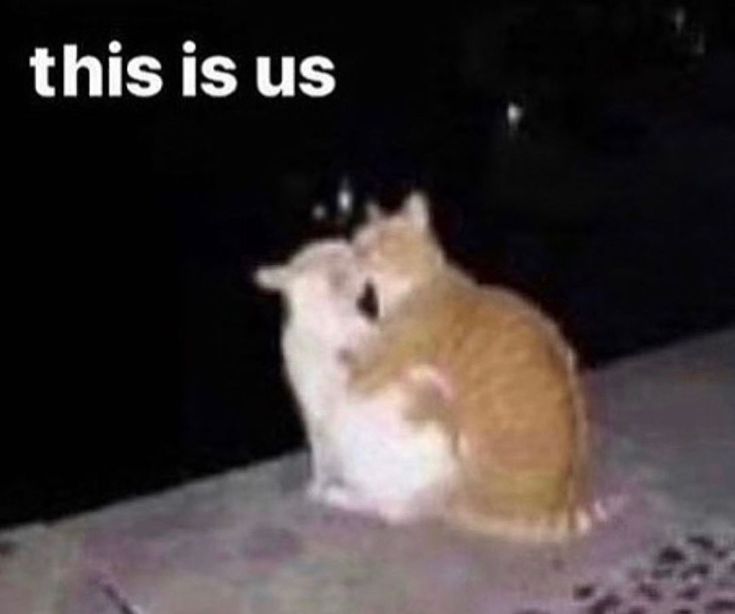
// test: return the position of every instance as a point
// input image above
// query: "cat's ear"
(416, 210)
(373, 211)
(272, 278)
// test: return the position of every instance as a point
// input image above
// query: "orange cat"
(517, 418)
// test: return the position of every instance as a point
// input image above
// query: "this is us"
(69, 73)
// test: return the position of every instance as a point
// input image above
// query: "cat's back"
(461, 320)
(519, 401)
(494, 342)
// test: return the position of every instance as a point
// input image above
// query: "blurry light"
(679, 17)
(319, 212)
(699, 48)
(345, 197)
(514, 114)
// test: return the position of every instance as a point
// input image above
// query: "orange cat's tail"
(559, 528)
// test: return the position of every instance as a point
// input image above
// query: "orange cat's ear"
(416, 210)
(272, 278)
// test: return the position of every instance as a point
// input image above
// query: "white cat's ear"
(373, 211)
(273, 278)
(416, 209)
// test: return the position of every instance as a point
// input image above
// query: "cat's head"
(399, 251)
(322, 280)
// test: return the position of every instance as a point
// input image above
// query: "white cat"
(368, 453)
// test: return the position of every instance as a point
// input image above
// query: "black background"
(138, 353)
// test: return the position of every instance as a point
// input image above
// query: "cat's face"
(398, 251)
(322, 280)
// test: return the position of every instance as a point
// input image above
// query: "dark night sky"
(140, 354)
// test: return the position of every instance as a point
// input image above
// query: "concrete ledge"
(248, 542)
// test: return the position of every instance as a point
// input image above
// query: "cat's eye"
(367, 303)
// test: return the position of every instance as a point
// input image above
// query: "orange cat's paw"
(425, 375)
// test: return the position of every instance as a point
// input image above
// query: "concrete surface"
(248, 541)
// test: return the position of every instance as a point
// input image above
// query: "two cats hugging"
(450, 400)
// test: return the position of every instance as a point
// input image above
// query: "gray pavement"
(248, 542)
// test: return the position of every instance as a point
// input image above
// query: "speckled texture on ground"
(249, 542)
